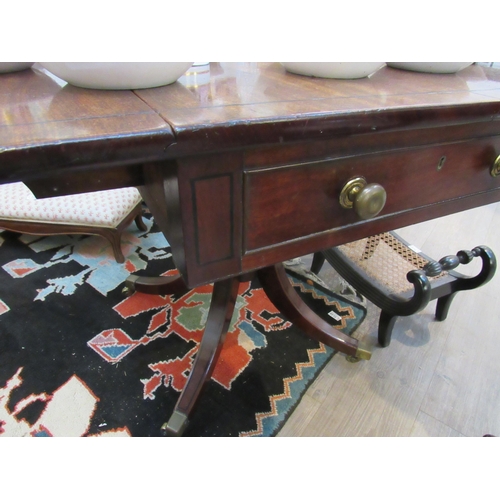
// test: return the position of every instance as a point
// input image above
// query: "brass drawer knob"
(495, 169)
(368, 200)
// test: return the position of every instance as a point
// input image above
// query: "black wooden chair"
(401, 280)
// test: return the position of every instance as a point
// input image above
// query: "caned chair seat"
(400, 279)
(103, 213)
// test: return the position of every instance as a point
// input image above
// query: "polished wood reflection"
(283, 107)
(46, 123)
(241, 104)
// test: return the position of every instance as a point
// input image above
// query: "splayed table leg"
(278, 288)
(218, 321)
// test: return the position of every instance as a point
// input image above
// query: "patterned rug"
(79, 358)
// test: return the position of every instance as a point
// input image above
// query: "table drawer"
(294, 201)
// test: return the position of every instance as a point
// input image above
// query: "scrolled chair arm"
(451, 262)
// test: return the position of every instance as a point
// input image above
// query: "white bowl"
(430, 67)
(118, 75)
(8, 67)
(343, 70)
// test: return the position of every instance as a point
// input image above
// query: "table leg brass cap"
(175, 425)
(362, 352)
(495, 169)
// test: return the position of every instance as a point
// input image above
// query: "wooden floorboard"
(427, 426)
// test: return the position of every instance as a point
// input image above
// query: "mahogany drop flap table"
(250, 169)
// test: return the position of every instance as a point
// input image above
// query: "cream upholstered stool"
(400, 279)
(103, 213)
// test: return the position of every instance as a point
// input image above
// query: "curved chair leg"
(114, 237)
(443, 306)
(317, 263)
(385, 325)
(139, 222)
(278, 288)
(218, 321)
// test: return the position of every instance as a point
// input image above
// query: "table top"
(280, 106)
(240, 104)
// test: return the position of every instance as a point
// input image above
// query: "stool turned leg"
(317, 263)
(385, 325)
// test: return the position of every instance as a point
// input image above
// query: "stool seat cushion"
(99, 209)
(386, 260)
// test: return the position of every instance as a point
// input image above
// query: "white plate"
(430, 67)
(342, 70)
(118, 75)
(9, 67)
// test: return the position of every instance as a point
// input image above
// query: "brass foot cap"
(175, 425)
(362, 352)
